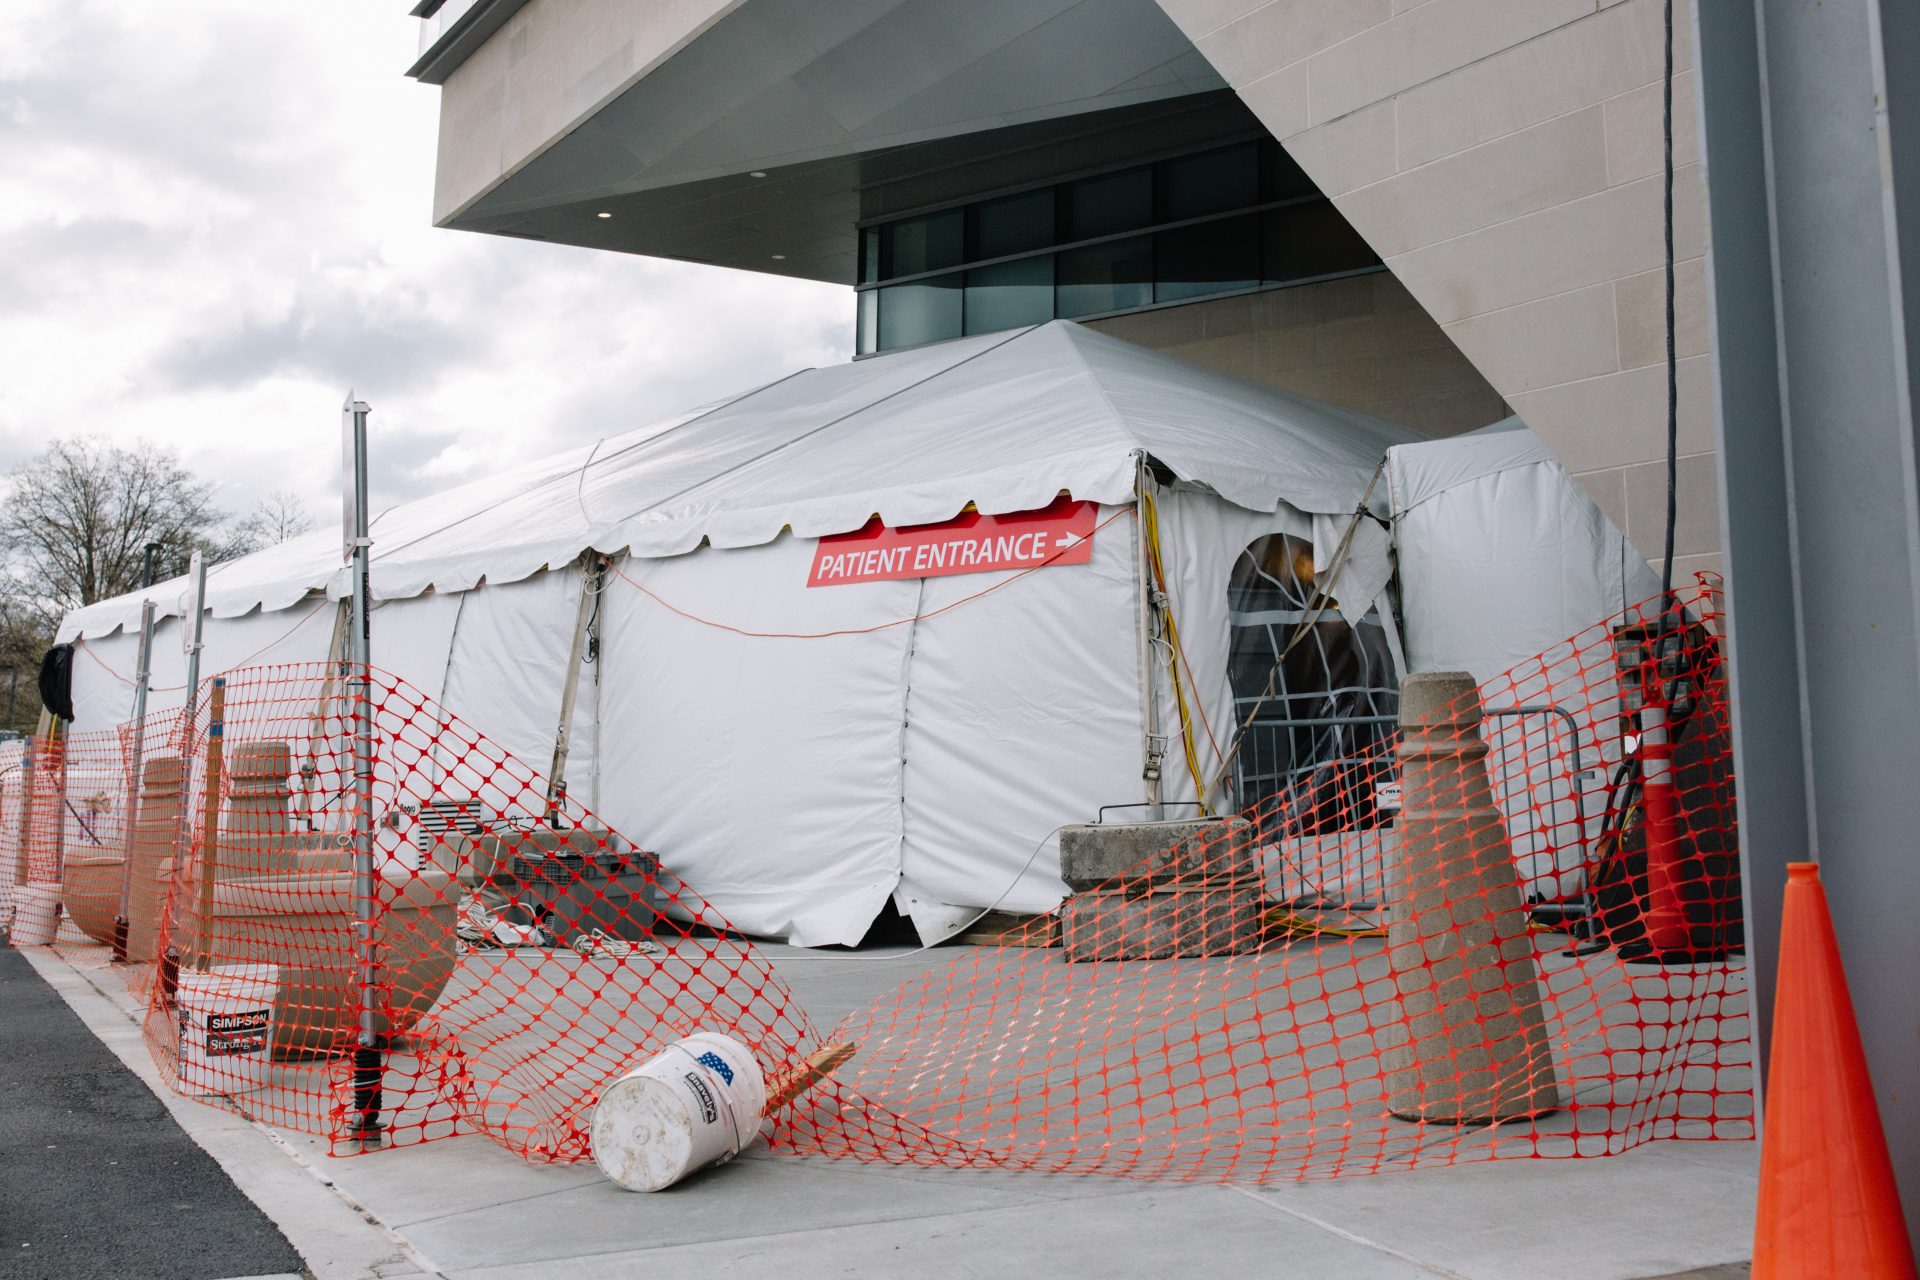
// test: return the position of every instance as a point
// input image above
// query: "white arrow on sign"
(1066, 540)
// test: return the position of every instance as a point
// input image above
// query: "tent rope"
(690, 616)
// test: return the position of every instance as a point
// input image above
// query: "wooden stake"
(820, 1064)
(210, 822)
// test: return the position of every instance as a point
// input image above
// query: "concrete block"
(1565, 69)
(1182, 851)
(1564, 338)
(1285, 31)
(1348, 153)
(1641, 305)
(1608, 489)
(1536, 168)
(1697, 529)
(1280, 100)
(1620, 418)
(1471, 1045)
(1595, 239)
(1425, 42)
(1636, 145)
(1162, 923)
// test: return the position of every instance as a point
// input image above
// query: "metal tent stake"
(368, 1057)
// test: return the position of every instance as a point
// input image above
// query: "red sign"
(1061, 533)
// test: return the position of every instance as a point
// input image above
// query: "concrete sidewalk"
(462, 1208)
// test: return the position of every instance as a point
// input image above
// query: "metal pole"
(204, 940)
(142, 675)
(195, 618)
(593, 577)
(135, 755)
(196, 630)
(368, 1064)
(1812, 154)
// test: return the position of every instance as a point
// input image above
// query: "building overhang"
(759, 140)
(450, 30)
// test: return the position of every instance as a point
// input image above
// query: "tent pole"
(592, 577)
(1153, 743)
(136, 749)
(368, 1062)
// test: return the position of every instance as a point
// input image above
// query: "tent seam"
(825, 426)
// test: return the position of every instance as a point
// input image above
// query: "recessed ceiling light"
(779, 257)
(603, 214)
(758, 173)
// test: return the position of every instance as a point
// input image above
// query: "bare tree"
(77, 518)
(277, 515)
(25, 633)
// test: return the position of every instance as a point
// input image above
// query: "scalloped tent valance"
(1004, 421)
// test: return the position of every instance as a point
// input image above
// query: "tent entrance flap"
(1317, 699)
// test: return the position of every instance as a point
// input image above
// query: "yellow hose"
(1150, 513)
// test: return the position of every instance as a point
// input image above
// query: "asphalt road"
(96, 1180)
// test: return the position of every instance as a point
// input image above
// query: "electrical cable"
(951, 605)
(1176, 657)
(282, 638)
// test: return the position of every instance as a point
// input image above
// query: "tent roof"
(1004, 421)
(1426, 469)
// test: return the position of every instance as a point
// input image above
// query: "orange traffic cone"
(1828, 1205)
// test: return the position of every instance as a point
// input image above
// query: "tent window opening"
(1322, 693)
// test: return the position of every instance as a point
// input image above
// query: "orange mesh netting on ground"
(1514, 929)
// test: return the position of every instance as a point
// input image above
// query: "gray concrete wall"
(1361, 342)
(1504, 158)
(553, 64)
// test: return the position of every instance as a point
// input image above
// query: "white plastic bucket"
(694, 1104)
(36, 914)
(226, 1028)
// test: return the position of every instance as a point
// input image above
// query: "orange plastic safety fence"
(1514, 929)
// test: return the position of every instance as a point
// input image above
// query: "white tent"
(1492, 517)
(802, 753)
(1502, 558)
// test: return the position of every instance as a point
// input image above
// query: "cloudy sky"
(214, 218)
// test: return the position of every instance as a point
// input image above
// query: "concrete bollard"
(156, 824)
(1472, 1048)
(258, 792)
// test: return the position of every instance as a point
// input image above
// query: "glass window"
(1173, 231)
(867, 340)
(1310, 240)
(927, 311)
(1318, 694)
(1212, 182)
(1110, 204)
(925, 244)
(1010, 295)
(1214, 257)
(1281, 178)
(1013, 225)
(1116, 276)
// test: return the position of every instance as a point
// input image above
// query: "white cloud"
(214, 218)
